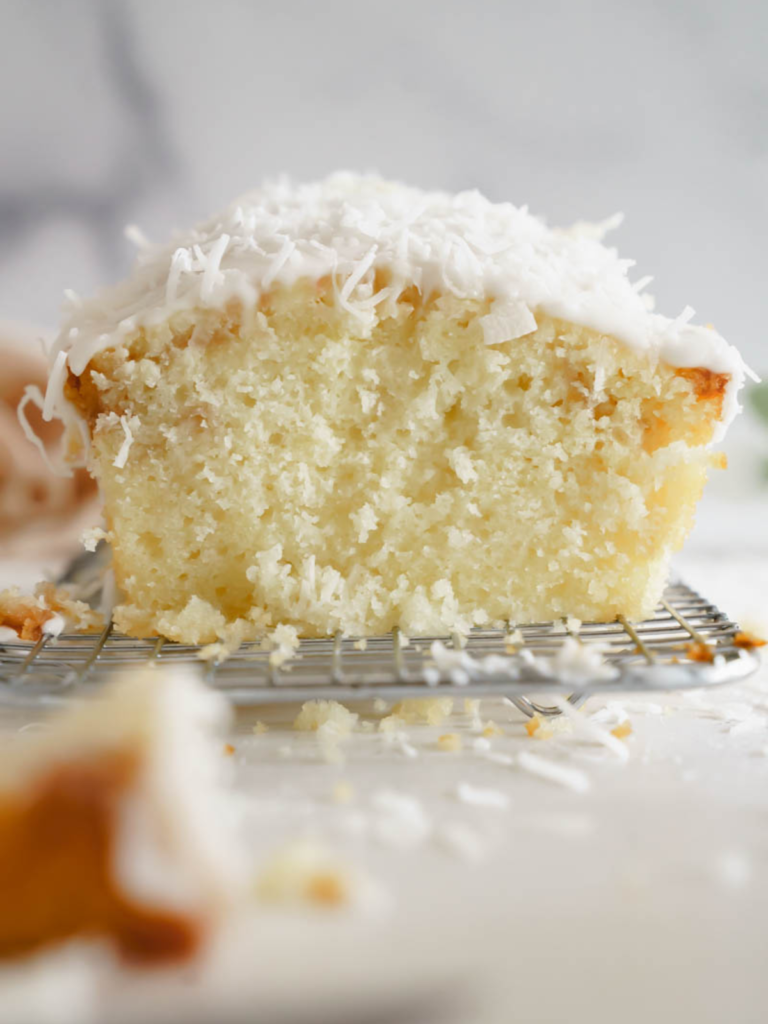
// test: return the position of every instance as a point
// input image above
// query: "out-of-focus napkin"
(41, 513)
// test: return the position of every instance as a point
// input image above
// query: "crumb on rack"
(49, 610)
(229, 749)
(700, 652)
(260, 728)
(284, 641)
(423, 710)
(361, 644)
(746, 641)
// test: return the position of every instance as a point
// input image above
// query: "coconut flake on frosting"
(348, 226)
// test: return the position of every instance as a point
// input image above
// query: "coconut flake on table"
(480, 796)
(400, 819)
(563, 775)
(349, 226)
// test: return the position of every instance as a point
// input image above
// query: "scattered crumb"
(572, 624)
(423, 710)
(700, 652)
(213, 652)
(538, 728)
(343, 792)
(260, 728)
(380, 706)
(391, 723)
(471, 706)
(622, 730)
(315, 713)
(491, 729)
(361, 644)
(304, 872)
(229, 749)
(480, 797)
(285, 640)
(748, 640)
(450, 741)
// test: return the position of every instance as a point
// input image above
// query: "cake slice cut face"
(113, 824)
(354, 406)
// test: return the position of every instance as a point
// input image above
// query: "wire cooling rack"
(688, 643)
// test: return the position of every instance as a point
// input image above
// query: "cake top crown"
(348, 226)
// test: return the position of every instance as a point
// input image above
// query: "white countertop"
(646, 895)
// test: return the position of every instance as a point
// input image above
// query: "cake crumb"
(343, 792)
(285, 641)
(450, 741)
(304, 872)
(700, 652)
(746, 641)
(380, 706)
(622, 730)
(260, 728)
(229, 749)
(491, 729)
(423, 710)
(538, 729)
(361, 644)
(315, 713)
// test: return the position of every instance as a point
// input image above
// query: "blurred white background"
(157, 113)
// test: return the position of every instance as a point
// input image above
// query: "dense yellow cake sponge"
(296, 465)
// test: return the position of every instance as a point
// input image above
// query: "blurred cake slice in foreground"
(355, 405)
(113, 823)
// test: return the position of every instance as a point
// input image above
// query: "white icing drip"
(347, 226)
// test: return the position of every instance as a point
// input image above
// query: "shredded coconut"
(347, 227)
(562, 775)
(478, 796)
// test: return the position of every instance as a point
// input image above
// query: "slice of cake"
(113, 823)
(354, 405)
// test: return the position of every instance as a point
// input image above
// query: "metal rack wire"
(688, 643)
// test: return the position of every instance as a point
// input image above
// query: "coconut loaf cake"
(355, 405)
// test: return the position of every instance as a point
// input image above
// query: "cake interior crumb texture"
(295, 464)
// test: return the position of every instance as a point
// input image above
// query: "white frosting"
(348, 226)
